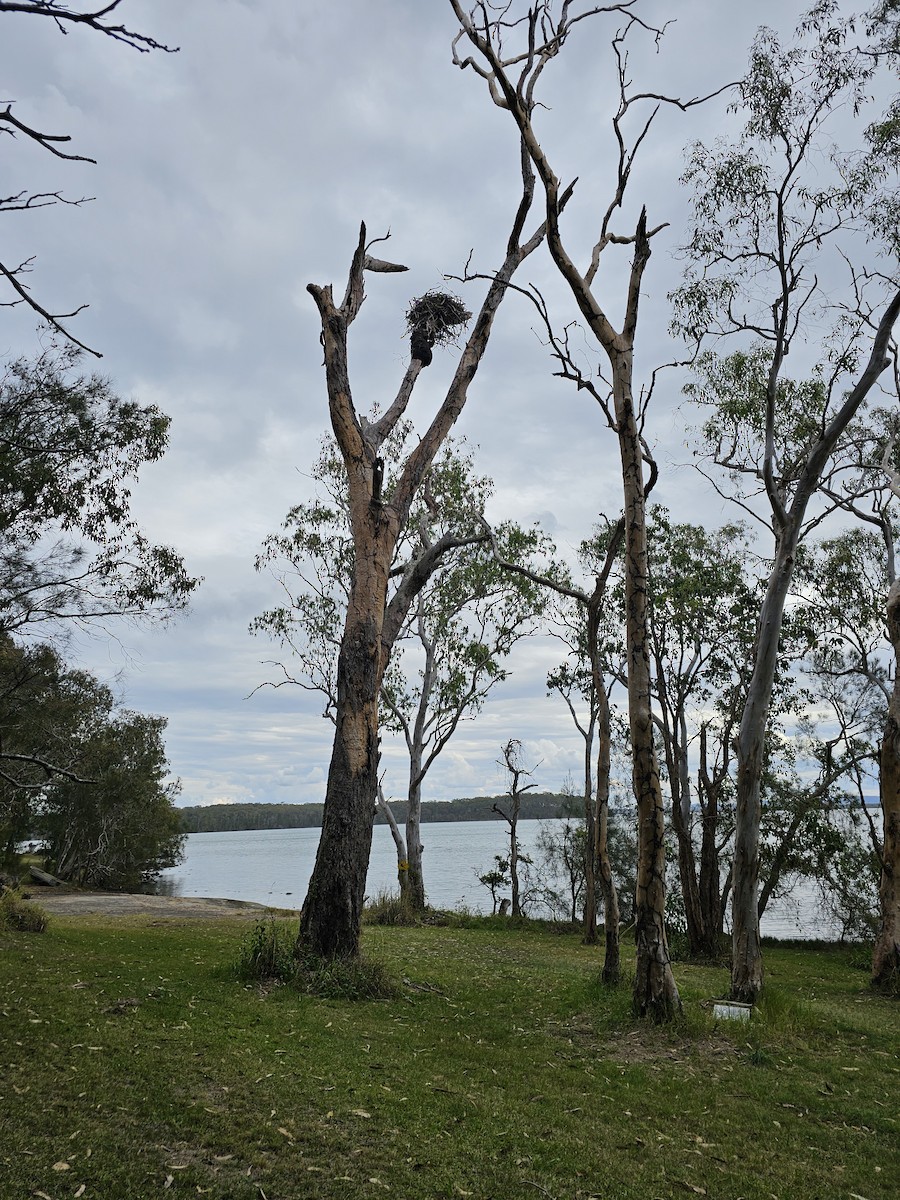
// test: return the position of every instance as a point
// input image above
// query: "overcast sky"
(233, 173)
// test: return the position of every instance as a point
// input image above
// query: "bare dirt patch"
(71, 902)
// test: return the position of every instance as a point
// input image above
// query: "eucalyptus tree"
(777, 221)
(71, 552)
(856, 602)
(330, 925)
(459, 631)
(510, 48)
(701, 630)
(583, 616)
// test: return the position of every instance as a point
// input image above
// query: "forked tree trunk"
(399, 846)
(330, 922)
(886, 954)
(746, 964)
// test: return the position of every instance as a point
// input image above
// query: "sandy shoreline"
(71, 902)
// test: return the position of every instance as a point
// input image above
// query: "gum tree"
(776, 224)
(460, 629)
(585, 612)
(510, 53)
(378, 604)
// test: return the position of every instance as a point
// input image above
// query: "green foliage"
(69, 452)
(213, 818)
(355, 979)
(457, 629)
(561, 850)
(266, 953)
(19, 914)
(117, 826)
(388, 908)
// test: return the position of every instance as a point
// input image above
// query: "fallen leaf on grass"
(41, 1195)
(692, 1187)
(61, 1166)
(361, 1112)
(170, 1179)
(80, 1191)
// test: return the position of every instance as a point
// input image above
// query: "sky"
(235, 172)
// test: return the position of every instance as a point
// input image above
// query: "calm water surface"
(273, 866)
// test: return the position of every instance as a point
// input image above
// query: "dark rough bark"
(886, 954)
(330, 924)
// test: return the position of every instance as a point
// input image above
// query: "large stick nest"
(436, 317)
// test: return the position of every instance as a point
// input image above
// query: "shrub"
(345, 979)
(267, 951)
(18, 913)
(388, 908)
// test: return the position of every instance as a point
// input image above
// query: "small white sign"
(731, 1010)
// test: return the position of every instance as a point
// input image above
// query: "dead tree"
(510, 55)
(330, 924)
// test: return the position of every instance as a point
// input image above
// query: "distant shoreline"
(225, 818)
(232, 818)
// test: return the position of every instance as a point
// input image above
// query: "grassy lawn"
(134, 1064)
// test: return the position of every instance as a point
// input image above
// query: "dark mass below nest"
(433, 320)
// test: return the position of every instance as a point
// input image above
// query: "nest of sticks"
(434, 319)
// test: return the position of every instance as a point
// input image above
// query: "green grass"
(132, 1057)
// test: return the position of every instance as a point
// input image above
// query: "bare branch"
(96, 20)
(50, 318)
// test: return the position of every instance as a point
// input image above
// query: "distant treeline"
(217, 818)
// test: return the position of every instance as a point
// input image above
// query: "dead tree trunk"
(330, 922)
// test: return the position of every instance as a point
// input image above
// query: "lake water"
(273, 866)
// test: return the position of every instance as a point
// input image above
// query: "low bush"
(345, 978)
(388, 908)
(20, 914)
(267, 951)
